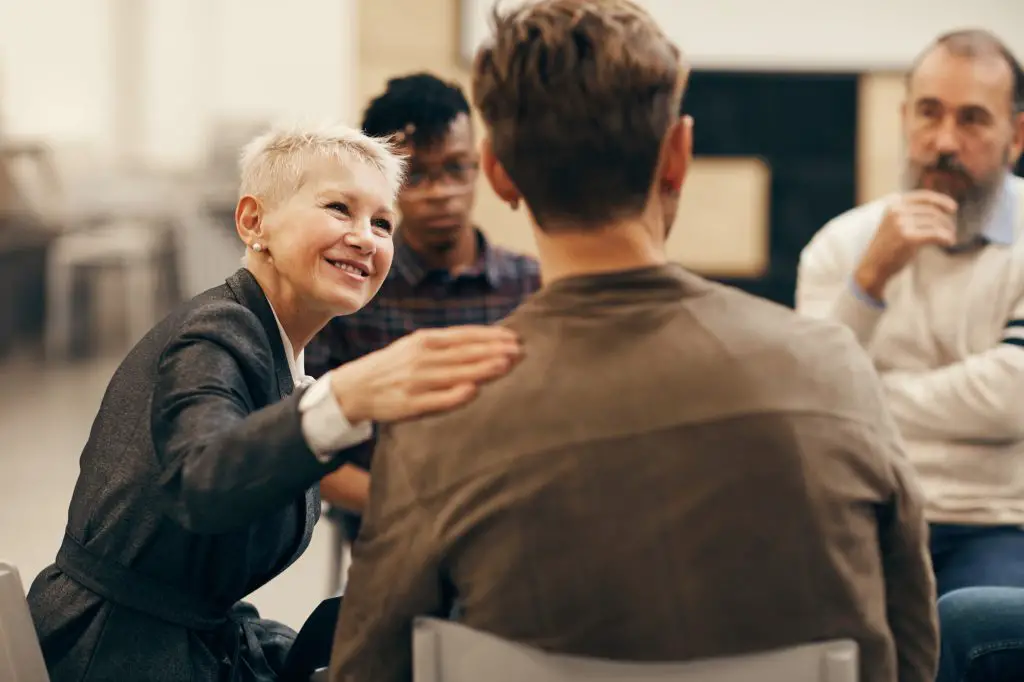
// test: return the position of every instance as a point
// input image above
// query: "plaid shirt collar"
(413, 268)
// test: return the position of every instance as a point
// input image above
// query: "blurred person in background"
(931, 280)
(445, 270)
(198, 483)
(675, 470)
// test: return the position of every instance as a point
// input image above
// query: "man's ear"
(1017, 145)
(499, 180)
(677, 154)
(249, 219)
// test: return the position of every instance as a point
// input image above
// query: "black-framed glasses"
(453, 173)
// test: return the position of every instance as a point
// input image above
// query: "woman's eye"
(339, 207)
(383, 224)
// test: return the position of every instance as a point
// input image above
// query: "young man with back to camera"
(676, 470)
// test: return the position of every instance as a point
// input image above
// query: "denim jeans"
(977, 556)
(982, 635)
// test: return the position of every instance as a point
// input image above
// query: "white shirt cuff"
(325, 426)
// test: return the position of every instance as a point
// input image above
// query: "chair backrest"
(21, 659)
(449, 652)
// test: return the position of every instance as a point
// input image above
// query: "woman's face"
(331, 242)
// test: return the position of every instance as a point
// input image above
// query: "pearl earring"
(257, 247)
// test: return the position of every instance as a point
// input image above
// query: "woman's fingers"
(429, 371)
(441, 377)
(469, 353)
(442, 399)
(449, 337)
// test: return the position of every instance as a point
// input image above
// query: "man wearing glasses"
(445, 272)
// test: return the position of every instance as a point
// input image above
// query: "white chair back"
(449, 652)
(21, 659)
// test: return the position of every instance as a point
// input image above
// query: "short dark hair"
(577, 96)
(420, 100)
(977, 42)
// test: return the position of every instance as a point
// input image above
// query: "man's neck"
(458, 256)
(613, 248)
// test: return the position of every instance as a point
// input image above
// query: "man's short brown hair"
(578, 96)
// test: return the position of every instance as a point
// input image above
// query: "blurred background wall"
(149, 81)
(164, 85)
(120, 122)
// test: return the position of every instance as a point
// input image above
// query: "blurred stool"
(135, 248)
(21, 659)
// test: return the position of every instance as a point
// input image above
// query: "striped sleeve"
(976, 399)
(1013, 333)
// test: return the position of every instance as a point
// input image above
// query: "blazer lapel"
(249, 293)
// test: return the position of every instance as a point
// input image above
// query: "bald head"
(977, 45)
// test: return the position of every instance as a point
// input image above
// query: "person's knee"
(960, 609)
(976, 614)
(981, 627)
(959, 614)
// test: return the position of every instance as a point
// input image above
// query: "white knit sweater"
(949, 345)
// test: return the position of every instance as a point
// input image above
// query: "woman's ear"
(499, 180)
(249, 220)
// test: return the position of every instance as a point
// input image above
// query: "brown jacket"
(676, 470)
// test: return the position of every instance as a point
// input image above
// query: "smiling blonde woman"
(198, 481)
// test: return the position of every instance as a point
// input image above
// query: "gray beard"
(973, 209)
(976, 209)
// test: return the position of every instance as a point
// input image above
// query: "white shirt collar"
(1001, 226)
(296, 363)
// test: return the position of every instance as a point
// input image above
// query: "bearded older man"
(931, 280)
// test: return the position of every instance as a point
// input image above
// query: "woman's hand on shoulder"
(430, 370)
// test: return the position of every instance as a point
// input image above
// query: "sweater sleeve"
(979, 398)
(825, 287)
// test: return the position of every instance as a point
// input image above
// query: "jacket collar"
(247, 291)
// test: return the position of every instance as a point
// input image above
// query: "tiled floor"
(45, 415)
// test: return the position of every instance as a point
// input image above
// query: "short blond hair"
(274, 165)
